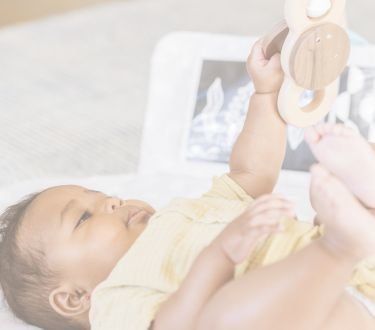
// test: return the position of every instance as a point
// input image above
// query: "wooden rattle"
(314, 51)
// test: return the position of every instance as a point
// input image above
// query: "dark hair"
(24, 275)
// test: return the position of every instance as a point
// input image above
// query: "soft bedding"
(185, 177)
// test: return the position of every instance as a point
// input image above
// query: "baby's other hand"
(261, 219)
(267, 75)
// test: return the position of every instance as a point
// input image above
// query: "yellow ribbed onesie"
(158, 261)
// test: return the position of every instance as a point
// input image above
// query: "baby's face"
(84, 233)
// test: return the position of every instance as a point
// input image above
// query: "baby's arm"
(259, 151)
(215, 265)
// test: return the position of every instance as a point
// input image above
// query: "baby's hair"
(24, 275)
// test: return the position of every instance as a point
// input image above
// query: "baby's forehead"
(59, 192)
(64, 189)
(53, 199)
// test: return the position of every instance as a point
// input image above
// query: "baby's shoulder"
(203, 209)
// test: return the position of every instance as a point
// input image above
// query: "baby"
(73, 258)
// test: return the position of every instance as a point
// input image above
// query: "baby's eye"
(85, 215)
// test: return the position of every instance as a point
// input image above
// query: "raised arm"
(259, 151)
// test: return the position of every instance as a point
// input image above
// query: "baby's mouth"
(137, 216)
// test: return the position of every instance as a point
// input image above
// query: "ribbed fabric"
(161, 257)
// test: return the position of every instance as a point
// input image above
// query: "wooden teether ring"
(298, 116)
(314, 52)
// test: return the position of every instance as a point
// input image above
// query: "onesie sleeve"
(126, 308)
(222, 203)
(226, 188)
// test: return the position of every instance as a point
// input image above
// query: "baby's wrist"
(218, 249)
(273, 95)
(259, 92)
(267, 88)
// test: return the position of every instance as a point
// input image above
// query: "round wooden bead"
(318, 8)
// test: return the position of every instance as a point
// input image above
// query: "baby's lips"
(132, 212)
(141, 217)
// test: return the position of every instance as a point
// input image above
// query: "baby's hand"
(257, 222)
(267, 75)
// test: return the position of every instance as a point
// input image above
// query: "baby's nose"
(112, 204)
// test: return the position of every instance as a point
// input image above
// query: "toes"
(335, 129)
(317, 132)
(312, 136)
(342, 130)
(326, 128)
(321, 130)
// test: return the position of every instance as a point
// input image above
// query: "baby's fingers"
(269, 217)
(240, 249)
(273, 213)
(265, 229)
(271, 202)
(257, 53)
(256, 56)
(275, 62)
(268, 198)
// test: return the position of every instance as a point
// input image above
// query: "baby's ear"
(69, 302)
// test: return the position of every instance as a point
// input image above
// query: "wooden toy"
(314, 50)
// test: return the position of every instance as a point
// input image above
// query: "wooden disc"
(319, 56)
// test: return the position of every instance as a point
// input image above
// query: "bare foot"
(349, 226)
(347, 156)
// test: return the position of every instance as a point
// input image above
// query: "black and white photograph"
(222, 104)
